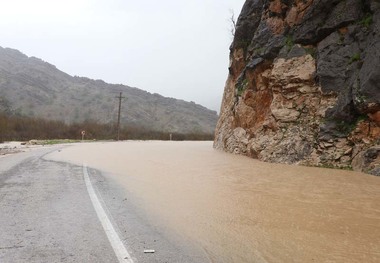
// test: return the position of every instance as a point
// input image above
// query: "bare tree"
(233, 22)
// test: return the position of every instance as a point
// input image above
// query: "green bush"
(355, 57)
(366, 21)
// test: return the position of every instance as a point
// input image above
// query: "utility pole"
(118, 115)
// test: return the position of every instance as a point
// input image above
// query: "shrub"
(21, 128)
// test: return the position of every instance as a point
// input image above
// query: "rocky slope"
(32, 87)
(304, 84)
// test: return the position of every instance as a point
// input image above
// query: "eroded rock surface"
(304, 83)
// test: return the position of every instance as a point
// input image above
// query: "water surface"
(243, 210)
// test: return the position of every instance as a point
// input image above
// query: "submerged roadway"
(156, 201)
(58, 212)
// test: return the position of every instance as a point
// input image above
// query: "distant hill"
(31, 87)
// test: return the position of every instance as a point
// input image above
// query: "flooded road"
(242, 210)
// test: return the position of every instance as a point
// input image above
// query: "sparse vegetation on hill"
(19, 128)
(34, 88)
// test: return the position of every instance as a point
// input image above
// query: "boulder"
(368, 161)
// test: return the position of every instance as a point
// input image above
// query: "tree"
(233, 22)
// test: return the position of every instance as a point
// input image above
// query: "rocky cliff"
(304, 84)
(32, 87)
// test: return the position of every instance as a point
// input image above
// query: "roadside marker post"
(83, 134)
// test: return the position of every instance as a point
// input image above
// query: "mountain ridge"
(32, 87)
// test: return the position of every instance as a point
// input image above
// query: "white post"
(83, 133)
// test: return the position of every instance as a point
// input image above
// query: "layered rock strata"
(304, 84)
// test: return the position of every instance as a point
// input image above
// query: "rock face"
(32, 87)
(304, 83)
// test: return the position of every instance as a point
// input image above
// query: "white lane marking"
(117, 245)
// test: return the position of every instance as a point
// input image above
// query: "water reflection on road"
(242, 210)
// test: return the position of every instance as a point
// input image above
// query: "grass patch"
(355, 57)
(57, 141)
(366, 21)
(241, 87)
(312, 51)
(289, 42)
(345, 127)
(348, 127)
(331, 166)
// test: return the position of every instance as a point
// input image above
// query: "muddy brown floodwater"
(242, 210)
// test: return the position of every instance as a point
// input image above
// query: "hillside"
(32, 87)
(303, 84)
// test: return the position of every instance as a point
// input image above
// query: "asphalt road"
(47, 215)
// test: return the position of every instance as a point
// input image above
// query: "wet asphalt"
(46, 215)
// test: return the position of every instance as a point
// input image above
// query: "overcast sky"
(175, 48)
